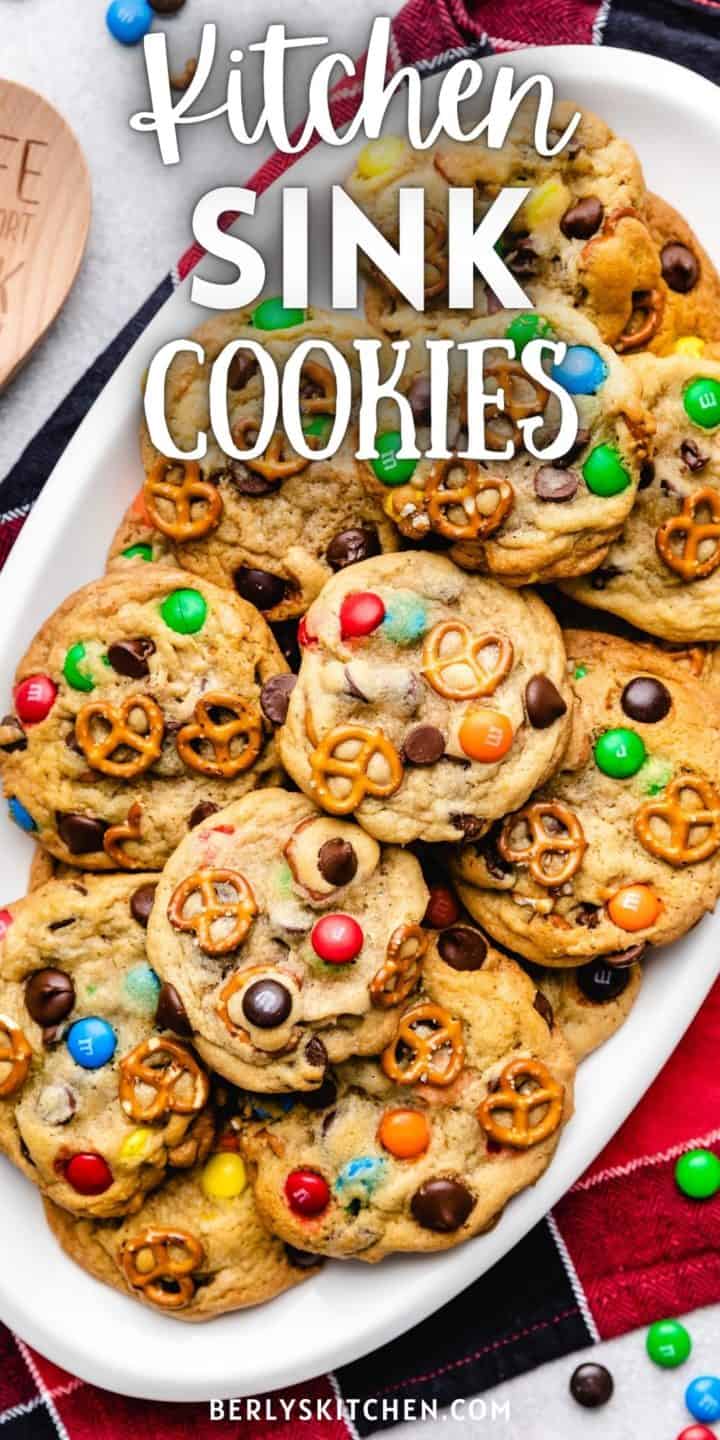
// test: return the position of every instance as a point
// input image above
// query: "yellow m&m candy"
(689, 345)
(136, 1145)
(224, 1176)
(546, 203)
(380, 156)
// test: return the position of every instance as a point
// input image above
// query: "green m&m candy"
(75, 676)
(138, 552)
(604, 472)
(184, 611)
(525, 328)
(702, 402)
(319, 426)
(697, 1174)
(619, 753)
(272, 315)
(387, 467)
(668, 1343)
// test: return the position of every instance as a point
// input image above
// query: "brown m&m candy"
(462, 948)
(646, 700)
(171, 1013)
(349, 547)
(583, 218)
(591, 1385)
(275, 697)
(141, 903)
(600, 982)
(543, 702)
(442, 1205)
(337, 861)
(266, 1003)
(259, 587)
(49, 996)
(680, 268)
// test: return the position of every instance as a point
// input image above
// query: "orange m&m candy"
(404, 1133)
(139, 508)
(635, 907)
(485, 734)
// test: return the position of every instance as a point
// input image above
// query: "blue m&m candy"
(20, 815)
(702, 1398)
(582, 372)
(359, 1178)
(91, 1042)
(129, 20)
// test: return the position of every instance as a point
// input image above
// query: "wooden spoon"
(44, 219)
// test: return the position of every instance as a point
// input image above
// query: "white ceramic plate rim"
(349, 1309)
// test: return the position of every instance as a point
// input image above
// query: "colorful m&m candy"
(337, 939)
(129, 20)
(404, 1133)
(34, 698)
(388, 467)
(91, 1042)
(634, 907)
(702, 1398)
(360, 614)
(582, 372)
(307, 1193)
(184, 611)
(271, 314)
(88, 1173)
(701, 402)
(619, 753)
(485, 735)
(604, 473)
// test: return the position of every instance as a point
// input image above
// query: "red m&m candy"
(34, 698)
(360, 614)
(5, 923)
(442, 908)
(337, 939)
(303, 634)
(697, 1432)
(307, 1192)
(88, 1174)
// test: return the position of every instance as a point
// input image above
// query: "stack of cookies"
(348, 853)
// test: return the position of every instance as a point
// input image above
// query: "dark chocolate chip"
(171, 1013)
(419, 396)
(680, 268)
(49, 996)
(166, 7)
(602, 577)
(349, 547)
(647, 475)
(16, 739)
(301, 1259)
(337, 861)
(442, 1205)
(266, 1003)
(588, 915)
(141, 903)
(83, 834)
(622, 958)
(583, 218)
(423, 745)
(591, 1385)
(544, 1008)
(692, 457)
(543, 702)
(315, 1052)
(600, 982)
(275, 697)
(646, 700)
(259, 587)
(522, 259)
(203, 811)
(462, 948)
(242, 368)
(130, 657)
(469, 826)
(249, 482)
(323, 1097)
(552, 483)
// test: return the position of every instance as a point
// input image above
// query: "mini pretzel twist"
(319, 378)
(279, 462)
(99, 751)
(570, 842)
(676, 847)
(506, 372)
(325, 763)
(425, 1034)
(685, 562)
(167, 1280)
(399, 974)
(521, 1133)
(189, 491)
(651, 304)
(116, 837)
(219, 735)
(16, 1053)
(161, 1066)
(205, 883)
(441, 498)
(481, 681)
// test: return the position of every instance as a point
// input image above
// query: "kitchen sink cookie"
(580, 234)
(137, 706)
(196, 1248)
(422, 1149)
(622, 846)
(276, 527)
(663, 573)
(589, 1002)
(521, 518)
(429, 701)
(97, 1097)
(288, 939)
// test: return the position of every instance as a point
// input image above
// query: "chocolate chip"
(301, 1259)
(203, 811)
(130, 657)
(646, 700)
(543, 702)
(349, 547)
(337, 861)
(470, 827)
(647, 474)
(275, 697)
(544, 1008)
(259, 587)
(622, 958)
(171, 1013)
(267, 1004)
(166, 7)
(285, 632)
(680, 268)
(83, 834)
(522, 259)
(692, 457)
(588, 915)
(49, 996)
(14, 737)
(600, 982)
(242, 368)
(315, 1052)
(495, 863)
(602, 577)
(552, 483)
(462, 948)
(423, 745)
(419, 396)
(246, 481)
(591, 1385)
(141, 903)
(583, 218)
(323, 1097)
(442, 1205)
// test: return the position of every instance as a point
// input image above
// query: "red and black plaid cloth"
(624, 1247)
